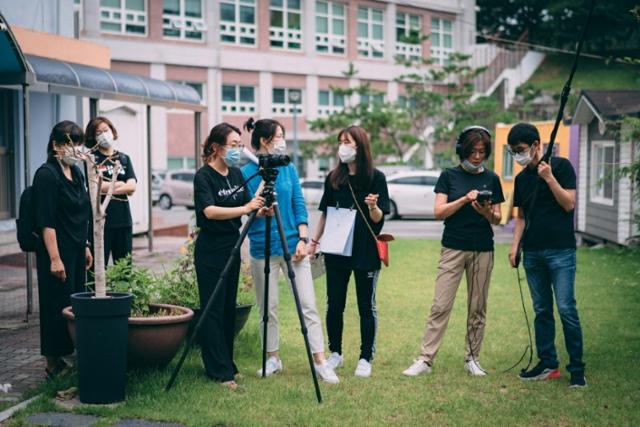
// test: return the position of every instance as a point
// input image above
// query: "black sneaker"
(577, 381)
(539, 372)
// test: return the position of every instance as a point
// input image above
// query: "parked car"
(157, 177)
(411, 194)
(312, 190)
(177, 189)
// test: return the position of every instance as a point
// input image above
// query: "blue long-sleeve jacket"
(292, 210)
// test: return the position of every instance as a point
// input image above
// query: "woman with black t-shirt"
(218, 213)
(62, 214)
(100, 137)
(468, 198)
(354, 178)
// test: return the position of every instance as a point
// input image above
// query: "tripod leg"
(265, 304)
(296, 297)
(235, 252)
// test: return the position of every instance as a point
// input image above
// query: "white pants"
(306, 293)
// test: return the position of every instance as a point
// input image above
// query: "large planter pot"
(154, 340)
(100, 333)
(242, 315)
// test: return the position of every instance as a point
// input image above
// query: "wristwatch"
(304, 239)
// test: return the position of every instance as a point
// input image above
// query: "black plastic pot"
(101, 345)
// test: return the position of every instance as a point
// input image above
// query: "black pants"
(218, 329)
(118, 243)
(337, 282)
(54, 295)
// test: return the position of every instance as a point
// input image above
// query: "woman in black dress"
(62, 214)
(100, 137)
(218, 213)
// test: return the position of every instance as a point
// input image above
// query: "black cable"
(526, 317)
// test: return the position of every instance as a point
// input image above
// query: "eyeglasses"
(517, 152)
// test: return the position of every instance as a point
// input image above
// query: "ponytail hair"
(217, 138)
(264, 128)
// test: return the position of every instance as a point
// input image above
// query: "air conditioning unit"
(177, 23)
(200, 26)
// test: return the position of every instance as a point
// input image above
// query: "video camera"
(484, 196)
(268, 161)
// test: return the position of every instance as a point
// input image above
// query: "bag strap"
(360, 210)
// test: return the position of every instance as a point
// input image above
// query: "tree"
(557, 23)
(98, 209)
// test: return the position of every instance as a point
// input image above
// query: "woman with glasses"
(220, 201)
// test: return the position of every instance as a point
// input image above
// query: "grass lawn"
(608, 294)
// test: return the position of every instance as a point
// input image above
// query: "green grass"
(591, 74)
(608, 294)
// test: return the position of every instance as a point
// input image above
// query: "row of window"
(239, 99)
(185, 19)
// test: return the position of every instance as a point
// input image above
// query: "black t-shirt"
(364, 255)
(466, 229)
(62, 204)
(210, 188)
(551, 227)
(118, 211)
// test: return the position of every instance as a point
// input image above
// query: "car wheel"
(393, 210)
(165, 202)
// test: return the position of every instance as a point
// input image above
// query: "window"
(374, 99)
(318, 185)
(286, 24)
(441, 40)
(405, 101)
(123, 17)
(323, 164)
(331, 27)
(507, 163)
(238, 99)
(329, 102)
(408, 43)
(409, 180)
(602, 171)
(78, 24)
(370, 32)
(183, 19)
(238, 22)
(281, 104)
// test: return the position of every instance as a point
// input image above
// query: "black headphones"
(464, 132)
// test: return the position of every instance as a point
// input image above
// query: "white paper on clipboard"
(337, 238)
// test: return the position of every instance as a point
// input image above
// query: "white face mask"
(68, 157)
(347, 154)
(105, 139)
(524, 158)
(280, 147)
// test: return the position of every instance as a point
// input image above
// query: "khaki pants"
(453, 263)
(306, 292)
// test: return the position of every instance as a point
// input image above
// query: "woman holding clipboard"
(353, 180)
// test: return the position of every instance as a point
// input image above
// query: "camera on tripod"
(484, 196)
(268, 161)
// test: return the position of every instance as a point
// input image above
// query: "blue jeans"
(549, 272)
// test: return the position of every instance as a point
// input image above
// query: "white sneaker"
(326, 373)
(363, 369)
(335, 361)
(419, 367)
(274, 365)
(473, 368)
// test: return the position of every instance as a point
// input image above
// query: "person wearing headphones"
(468, 198)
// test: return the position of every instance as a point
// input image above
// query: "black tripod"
(269, 176)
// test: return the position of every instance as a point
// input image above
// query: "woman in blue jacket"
(268, 138)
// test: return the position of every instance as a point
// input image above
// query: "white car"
(411, 193)
(312, 190)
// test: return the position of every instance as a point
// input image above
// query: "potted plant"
(101, 318)
(180, 286)
(156, 329)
